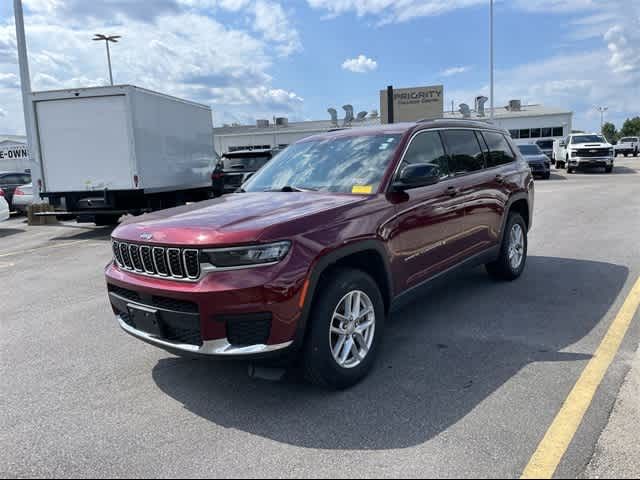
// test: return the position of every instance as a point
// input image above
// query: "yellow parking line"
(554, 445)
(46, 247)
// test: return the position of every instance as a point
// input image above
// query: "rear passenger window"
(427, 148)
(464, 151)
(500, 152)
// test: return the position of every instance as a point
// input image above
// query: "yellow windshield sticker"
(362, 189)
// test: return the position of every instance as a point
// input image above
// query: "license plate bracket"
(145, 319)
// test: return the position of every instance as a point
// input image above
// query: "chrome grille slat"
(160, 262)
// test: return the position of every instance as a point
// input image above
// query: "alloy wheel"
(352, 329)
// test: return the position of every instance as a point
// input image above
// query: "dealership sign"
(411, 104)
(16, 152)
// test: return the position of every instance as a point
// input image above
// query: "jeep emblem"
(147, 236)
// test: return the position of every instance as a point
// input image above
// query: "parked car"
(540, 164)
(546, 146)
(4, 207)
(628, 146)
(23, 198)
(9, 181)
(309, 258)
(239, 166)
(584, 150)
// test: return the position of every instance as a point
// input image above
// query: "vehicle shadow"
(555, 176)
(85, 233)
(7, 232)
(443, 356)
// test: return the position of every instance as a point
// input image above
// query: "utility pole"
(99, 37)
(28, 106)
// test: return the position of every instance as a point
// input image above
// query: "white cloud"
(449, 72)
(360, 64)
(178, 49)
(392, 11)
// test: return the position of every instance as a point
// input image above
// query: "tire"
(570, 170)
(546, 176)
(608, 169)
(320, 365)
(503, 269)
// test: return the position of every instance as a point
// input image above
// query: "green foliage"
(631, 127)
(610, 132)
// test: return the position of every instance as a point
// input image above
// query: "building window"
(547, 132)
(526, 133)
(515, 133)
(535, 132)
(558, 131)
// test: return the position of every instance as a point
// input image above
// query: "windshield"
(588, 139)
(629, 140)
(530, 149)
(343, 164)
(545, 143)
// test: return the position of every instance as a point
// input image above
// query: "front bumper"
(591, 161)
(238, 313)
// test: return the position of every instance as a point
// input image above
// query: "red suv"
(311, 255)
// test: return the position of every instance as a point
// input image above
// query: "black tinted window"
(464, 151)
(26, 179)
(9, 180)
(427, 148)
(500, 151)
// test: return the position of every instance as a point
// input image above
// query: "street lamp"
(492, 64)
(107, 38)
(602, 110)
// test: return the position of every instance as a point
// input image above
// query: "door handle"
(453, 191)
(500, 178)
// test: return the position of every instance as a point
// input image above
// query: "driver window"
(427, 148)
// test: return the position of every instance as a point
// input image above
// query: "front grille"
(177, 263)
(249, 331)
(174, 304)
(593, 152)
(233, 180)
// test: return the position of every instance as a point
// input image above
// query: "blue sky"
(253, 59)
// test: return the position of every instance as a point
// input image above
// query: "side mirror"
(563, 144)
(417, 175)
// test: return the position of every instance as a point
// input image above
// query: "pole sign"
(411, 104)
(15, 152)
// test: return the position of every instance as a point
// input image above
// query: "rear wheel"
(107, 220)
(513, 252)
(346, 327)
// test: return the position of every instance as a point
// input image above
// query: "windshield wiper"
(291, 188)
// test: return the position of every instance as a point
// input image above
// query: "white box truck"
(110, 151)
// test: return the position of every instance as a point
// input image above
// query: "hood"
(536, 158)
(231, 219)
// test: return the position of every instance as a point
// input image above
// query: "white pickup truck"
(584, 150)
(628, 146)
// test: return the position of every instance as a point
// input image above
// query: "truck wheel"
(608, 169)
(513, 252)
(346, 326)
(107, 220)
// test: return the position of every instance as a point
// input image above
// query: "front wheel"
(347, 321)
(513, 252)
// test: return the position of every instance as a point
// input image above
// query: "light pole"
(107, 38)
(27, 101)
(602, 110)
(491, 62)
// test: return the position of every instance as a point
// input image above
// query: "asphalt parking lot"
(469, 380)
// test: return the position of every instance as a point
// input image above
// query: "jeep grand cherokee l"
(311, 255)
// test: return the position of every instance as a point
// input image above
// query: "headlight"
(253, 255)
(575, 153)
(611, 152)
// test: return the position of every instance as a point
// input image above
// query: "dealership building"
(526, 123)
(14, 156)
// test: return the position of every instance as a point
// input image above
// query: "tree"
(610, 132)
(631, 127)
